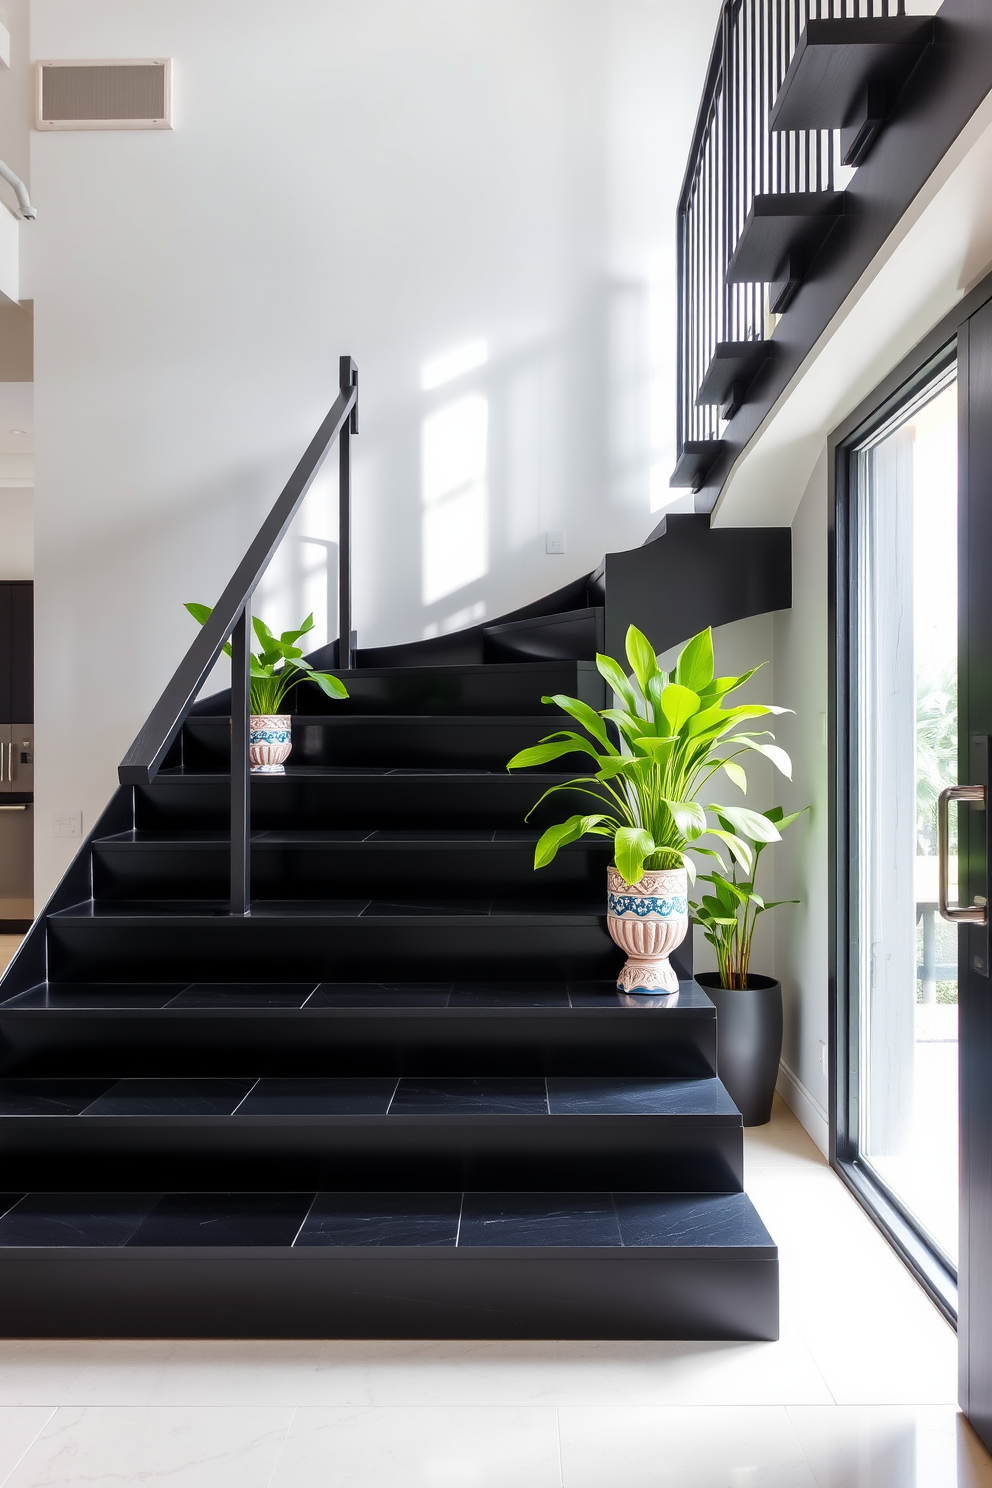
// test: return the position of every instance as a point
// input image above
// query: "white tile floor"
(859, 1392)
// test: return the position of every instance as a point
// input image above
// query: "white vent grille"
(105, 95)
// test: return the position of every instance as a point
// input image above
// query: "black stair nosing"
(837, 58)
(543, 622)
(177, 913)
(343, 839)
(479, 669)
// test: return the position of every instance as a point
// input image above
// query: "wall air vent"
(105, 95)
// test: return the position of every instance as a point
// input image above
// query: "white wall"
(801, 860)
(393, 180)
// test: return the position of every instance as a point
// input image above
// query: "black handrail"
(231, 619)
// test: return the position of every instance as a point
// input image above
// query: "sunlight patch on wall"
(455, 363)
(453, 485)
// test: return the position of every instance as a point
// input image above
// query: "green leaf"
(631, 846)
(586, 716)
(541, 754)
(749, 823)
(678, 705)
(200, 612)
(739, 850)
(568, 831)
(689, 817)
(734, 772)
(617, 678)
(772, 752)
(329, 684)
(266, 639)
(640, 654)
(694, 668)
(777, 815)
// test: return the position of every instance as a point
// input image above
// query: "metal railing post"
(240, 800)
(348, 379)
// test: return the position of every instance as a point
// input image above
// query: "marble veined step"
(524, 1131)
(508, 1025)
(398, 1263)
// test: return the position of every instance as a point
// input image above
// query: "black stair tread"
(779, 223)
(178, 912)
(341, 773)
(836, 60)
(383, 1097)
(677, 1223)
(538, 622)
(509, 996)
(358, 838)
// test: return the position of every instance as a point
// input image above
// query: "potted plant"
(653, 756)
(748, 1005)
(275, 671)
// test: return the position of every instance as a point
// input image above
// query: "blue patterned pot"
(270, 738)
(648, 919)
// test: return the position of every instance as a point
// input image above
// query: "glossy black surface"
(111, 995)
(563, 1219)
(315, 1097)
(170, 1098)
(72, 1219)
(49, 1097)
(492, 1096)
(217, 995)
(631, 1095)
(372, 995)
(711, 1220)
(216, 1219)
(423, 1219)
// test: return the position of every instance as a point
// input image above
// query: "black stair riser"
(281, 803)
(659, 1153)
(389, 741)
(333, 1042)
(512, 689)
(269, 950)
(393, 1293)
(307, 871)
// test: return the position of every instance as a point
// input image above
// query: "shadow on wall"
(455, 486)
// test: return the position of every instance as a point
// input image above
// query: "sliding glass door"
(903, 750)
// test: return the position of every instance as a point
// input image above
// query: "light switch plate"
(554, 540)
(67, 824)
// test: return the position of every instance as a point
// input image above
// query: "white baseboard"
(804, 1107)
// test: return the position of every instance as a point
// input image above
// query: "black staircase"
(321, 1055)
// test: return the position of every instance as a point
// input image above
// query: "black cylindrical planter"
(748, 1041)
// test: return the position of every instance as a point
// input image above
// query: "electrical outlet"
(554, 540)
(67, 824)
(823, 1059)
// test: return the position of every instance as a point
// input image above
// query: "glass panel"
(906, 712)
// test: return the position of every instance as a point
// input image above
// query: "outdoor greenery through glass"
(279, 666)
(653, 756)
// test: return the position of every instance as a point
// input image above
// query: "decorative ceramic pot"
(648, 919)
(748, 1041)
(270, 738)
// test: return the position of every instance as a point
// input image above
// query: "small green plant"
(654, 755)
(279, 666)
(728, 915)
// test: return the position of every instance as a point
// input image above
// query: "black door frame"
(937, 349)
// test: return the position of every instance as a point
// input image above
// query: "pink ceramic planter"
(270, 739)
(648, 919)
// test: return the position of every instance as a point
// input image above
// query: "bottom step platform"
(386, 1265)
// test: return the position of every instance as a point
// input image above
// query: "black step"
(386, 740)
(348, 863)
(780, 227)
(575, 634)
(508, 1027)
(372, 1132)
(411, 939)
(385, 1265)
(836, 61)
(515, 686)
(401, 798)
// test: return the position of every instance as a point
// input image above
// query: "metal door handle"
(967, 914)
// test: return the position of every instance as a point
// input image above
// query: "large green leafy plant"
(729, 914)
(653, 756)
(279, 666)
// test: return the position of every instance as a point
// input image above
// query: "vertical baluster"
(240, 802)
(348, 378)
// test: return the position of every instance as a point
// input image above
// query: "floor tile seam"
(52, 1412)
(396, 1087)
(252, 1086)
(289, 1427)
